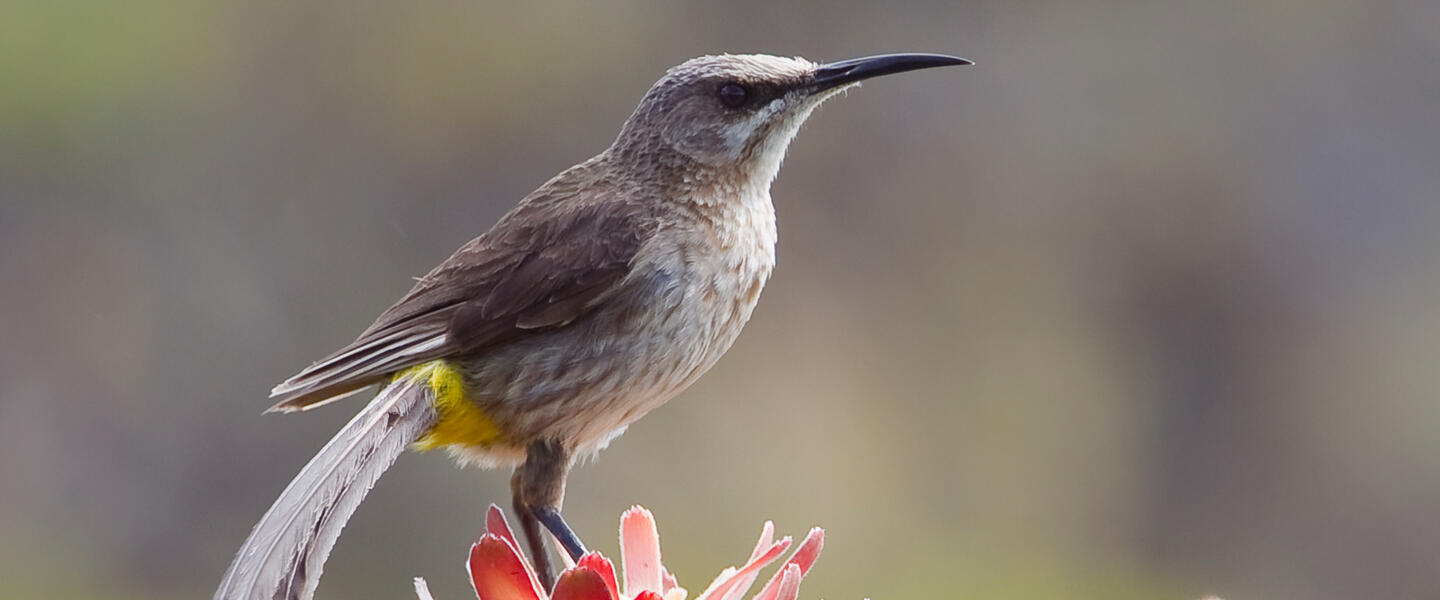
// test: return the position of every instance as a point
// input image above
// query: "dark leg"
(539, 486)
(539, 556)
(551, 519)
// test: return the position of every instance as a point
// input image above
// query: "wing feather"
(544, 265)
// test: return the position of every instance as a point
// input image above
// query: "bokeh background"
(1144, 305)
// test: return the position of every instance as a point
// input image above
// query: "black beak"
(836, 74)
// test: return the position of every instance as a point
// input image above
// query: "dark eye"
(733, 95)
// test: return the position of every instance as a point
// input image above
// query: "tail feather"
(360, 365)
(286, 551)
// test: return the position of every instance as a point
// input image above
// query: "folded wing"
(544, 265)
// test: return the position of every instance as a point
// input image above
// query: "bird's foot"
(551, 519)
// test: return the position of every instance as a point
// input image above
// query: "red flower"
(499, 571)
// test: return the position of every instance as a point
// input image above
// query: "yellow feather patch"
(458, 420)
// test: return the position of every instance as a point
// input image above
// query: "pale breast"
(709, 271)
(728, 259)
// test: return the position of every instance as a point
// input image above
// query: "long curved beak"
(836, 74)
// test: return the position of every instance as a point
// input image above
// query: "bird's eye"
(733, 95)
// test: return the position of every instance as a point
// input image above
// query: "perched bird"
(599, 297)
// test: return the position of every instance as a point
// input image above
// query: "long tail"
(285, 553)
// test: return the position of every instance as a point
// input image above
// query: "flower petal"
(595, 562)
(789, 588)
(724, 577)
(649, 595)
(668, 582)
(498, 572)
(804, 558)
(422, 590)
(767, 538)
(495, 523)
(743, 582)
(640, 551)
(809, 550)
(582, 584)
(730, 578)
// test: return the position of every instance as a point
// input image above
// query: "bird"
(599, 297)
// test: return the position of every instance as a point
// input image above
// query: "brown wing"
(542, 266)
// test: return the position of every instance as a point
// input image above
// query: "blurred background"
(1144, 305)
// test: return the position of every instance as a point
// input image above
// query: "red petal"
(582, 584)
(767, 537)
(804, 558)
(640, 551)
(495, 523)
(723, 589)
(649, 595)
(595, 562)
(743, 582)
(498, 573)
(789, 583)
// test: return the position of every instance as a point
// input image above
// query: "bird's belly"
(584, 383)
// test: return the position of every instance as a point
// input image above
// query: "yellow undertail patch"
(458, 421)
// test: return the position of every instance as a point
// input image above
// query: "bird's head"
(738, 112)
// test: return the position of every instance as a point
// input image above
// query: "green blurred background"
(1144, 305)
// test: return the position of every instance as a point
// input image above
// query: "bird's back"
(549, 261)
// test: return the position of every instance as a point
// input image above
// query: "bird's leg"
(543, 489)
(539, 555)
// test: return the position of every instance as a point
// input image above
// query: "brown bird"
(601, 296)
